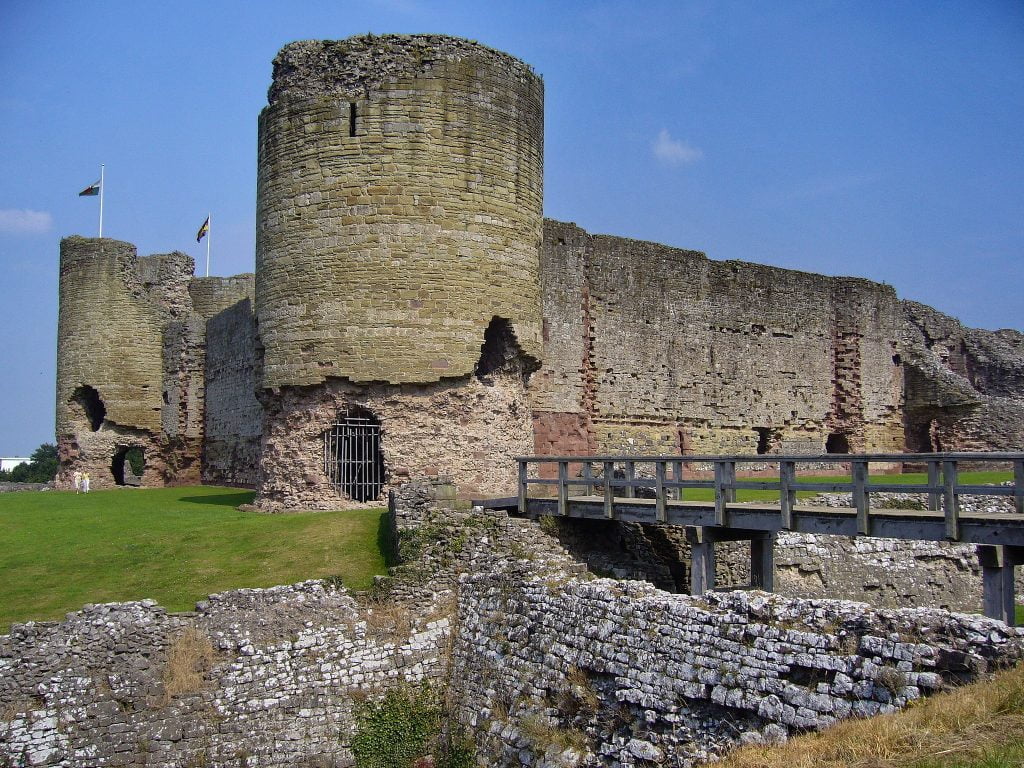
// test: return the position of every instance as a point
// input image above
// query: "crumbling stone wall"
(565, 671)
(965, 386)
(254, 677)
(131, 365)
(114, 309)
(548, 664)
(658, 350)
(471, 430)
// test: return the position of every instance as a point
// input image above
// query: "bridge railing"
(666, 478)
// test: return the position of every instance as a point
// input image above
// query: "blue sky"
(875, 139)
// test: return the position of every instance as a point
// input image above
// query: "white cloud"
(674, 151)
(24, 222)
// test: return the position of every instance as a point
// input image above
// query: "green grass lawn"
(60, 550)
(708, 494)
(964, 478)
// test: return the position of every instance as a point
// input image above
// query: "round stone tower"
(399, 208)
(109, 360)
(399, 213)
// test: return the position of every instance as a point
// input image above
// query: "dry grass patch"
(545, 737)
(389, 621)
(189, 659)
(977, 725)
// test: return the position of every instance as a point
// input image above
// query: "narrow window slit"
(351, 118)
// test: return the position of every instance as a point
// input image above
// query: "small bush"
(394, 732)
(891, 679)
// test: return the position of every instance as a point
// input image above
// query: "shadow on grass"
(223, 499)
(386, 541)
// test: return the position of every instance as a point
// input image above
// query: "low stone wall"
(254, 677)
(12, 487)
(566, 671)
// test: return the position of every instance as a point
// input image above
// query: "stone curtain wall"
(234, 417)
(384, 255)
(659, 350)
(564, 671)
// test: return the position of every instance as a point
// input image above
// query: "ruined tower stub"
(99, 315)
(112, 381)
(399, 208)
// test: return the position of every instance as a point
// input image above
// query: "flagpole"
(209, 236)
(101, 200)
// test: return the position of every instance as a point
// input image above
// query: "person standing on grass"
(85, 482)
(77, 480)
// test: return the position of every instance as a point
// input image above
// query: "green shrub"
(394, 732)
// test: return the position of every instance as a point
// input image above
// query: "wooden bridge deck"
(615, 490)
(909, 524)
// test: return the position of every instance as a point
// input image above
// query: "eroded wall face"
(399, 209)
(469, 430)
(131, 367)
(233, 414)
(660, 351)
(965, 386)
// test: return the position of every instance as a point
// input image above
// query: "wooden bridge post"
(997, 564)
(677, 475)
(630, 477)
(951, 500)
(725, 476)
(934, 480)
(609, 507)
(588, 475)
(659, 492)
(563, 487)
(859, 470)
(522, 486)
(1018, 486)
(702, 561)
(762, 562)
(787, 492)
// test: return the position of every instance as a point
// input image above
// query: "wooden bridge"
(652, 490)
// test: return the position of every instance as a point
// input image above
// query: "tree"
(41, 468)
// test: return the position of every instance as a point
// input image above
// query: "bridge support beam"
(702, 556)
(702, 567)
(762, 562)
(997, 563)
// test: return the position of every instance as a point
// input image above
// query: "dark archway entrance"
(352, 455)
(128, 464)
(837, 442)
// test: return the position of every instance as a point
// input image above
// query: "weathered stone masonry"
(404, 276)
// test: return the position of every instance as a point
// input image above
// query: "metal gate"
(352, 456)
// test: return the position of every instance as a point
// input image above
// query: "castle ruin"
(412, 313)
